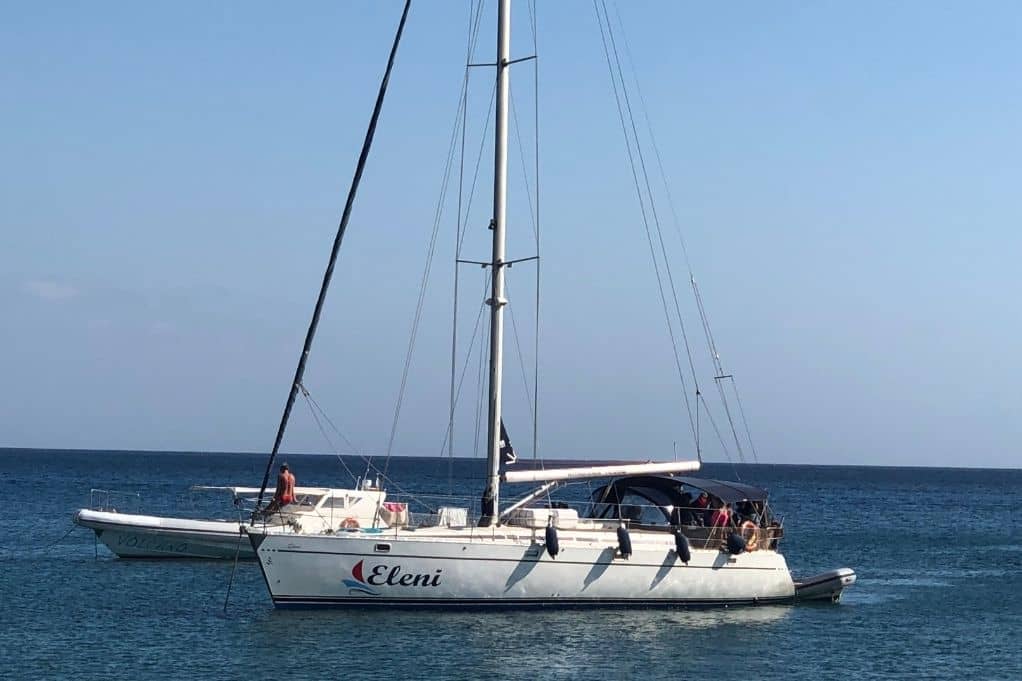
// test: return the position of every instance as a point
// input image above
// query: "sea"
(938, 554)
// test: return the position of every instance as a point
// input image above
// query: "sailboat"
(642, 541)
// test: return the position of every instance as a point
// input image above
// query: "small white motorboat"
(316, 509)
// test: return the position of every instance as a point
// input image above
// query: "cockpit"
(664, 501)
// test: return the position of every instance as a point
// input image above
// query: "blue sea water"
(938, 553)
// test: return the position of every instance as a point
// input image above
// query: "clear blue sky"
(847, 176)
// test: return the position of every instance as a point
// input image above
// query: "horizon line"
(477, 458)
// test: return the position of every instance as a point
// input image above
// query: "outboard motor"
(624, 541)
(682, 547)
(735, 544)
(552, 546)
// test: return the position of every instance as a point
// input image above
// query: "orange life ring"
(349, 524)
(750, 533)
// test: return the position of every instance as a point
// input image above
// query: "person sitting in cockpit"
(682, 513)
(703, 508)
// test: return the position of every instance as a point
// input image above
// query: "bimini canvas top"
(668, 490)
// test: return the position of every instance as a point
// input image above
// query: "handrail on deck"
(103, 499)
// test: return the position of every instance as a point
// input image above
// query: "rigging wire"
(313, 407)
(718, 367)
(531, 397)
(448, 434)
(645, 218)
(656, 149)
(656, 222)
(474, 15)
(518, 348)
(653, 210)
(533, 15)
(431, 251)
(534, 217)
(516, 128)
(479, 159)
(480, 391)
(684, 248)
(745, 421)
(313, 402)
(720, 438)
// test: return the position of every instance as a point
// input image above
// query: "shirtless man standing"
(285, 493)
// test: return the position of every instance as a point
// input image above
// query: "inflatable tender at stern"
(826, 586)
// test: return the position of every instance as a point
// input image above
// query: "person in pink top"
(721, 517)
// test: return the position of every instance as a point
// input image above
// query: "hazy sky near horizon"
(846, 176)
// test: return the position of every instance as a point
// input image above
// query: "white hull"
(443, 567)
(142, 536)
(132, 535)
(826, 586)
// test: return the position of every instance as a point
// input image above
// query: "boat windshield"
(645, 505)
(307, 500)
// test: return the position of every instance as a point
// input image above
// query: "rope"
(43, 547)
(230, 582)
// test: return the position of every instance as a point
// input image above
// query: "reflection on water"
(530, 643)
(638, 623)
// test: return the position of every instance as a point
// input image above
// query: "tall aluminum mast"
(491, 497)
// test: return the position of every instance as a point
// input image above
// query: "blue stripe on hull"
(314, 603)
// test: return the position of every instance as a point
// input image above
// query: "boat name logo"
(388, 575)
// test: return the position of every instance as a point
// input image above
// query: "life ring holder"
(750, 533)
(349, 524)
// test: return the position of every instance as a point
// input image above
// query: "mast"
(367, 143)
(491, 496)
